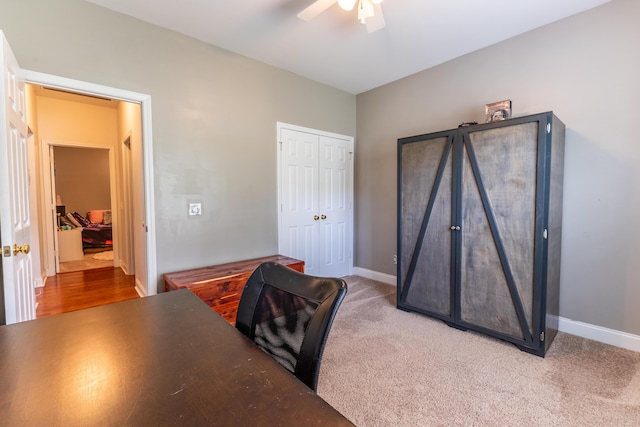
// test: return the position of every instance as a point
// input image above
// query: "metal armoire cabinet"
(479, 227)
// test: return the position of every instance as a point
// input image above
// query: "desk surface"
(162, 360)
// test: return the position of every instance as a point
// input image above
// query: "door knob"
(323, 216)
(17, 249)
(316, 217)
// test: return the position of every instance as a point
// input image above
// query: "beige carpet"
(386, 367)
(103, 256)
(88, 262)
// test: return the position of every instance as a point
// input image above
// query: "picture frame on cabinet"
(497, 111)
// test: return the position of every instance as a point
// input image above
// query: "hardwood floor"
(66, 292)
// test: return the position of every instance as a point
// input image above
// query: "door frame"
(72, 85)
(52, 258)
(279, 127)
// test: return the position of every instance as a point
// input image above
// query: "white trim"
(48, 235)
(41, 280)
(573, 327)
(64, 83)
(51, 266)
(144, 100)
(149, 199)
(374, 275)
(599, 333)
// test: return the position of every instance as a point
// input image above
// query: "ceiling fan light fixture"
(365, 10)
(369, 11)
(347, 4)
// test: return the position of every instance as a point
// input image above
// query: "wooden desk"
(220, 286)
(162, 360)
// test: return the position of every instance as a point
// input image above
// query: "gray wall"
(587, 70)
(82, 178)
(214, 119)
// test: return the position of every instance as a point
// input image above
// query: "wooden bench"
(220, 286)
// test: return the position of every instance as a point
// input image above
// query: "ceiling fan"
(369, 11)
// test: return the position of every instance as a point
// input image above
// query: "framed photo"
(498, 111)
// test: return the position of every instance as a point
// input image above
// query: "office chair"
(288, 315)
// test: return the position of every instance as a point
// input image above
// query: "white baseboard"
(124, 267)
(374, 275)
(140, 289)
(40, 281)
(573, 327)
(599, 333)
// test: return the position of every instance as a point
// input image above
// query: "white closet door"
(334, 206)
(299, 196)
(316, 198)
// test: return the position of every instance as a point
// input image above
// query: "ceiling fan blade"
(376, 22)
(315, 9)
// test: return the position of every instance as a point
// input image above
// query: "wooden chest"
(220, 286)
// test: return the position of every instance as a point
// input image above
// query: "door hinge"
(281, 143)
(548, 127)
(542, 336)
(6, 251)
(544, 234)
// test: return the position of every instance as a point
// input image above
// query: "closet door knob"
(316, 217)
(323, 216)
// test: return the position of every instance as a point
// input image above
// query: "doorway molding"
(78, 86)
(51, 261)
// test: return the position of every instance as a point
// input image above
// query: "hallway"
(77, 290)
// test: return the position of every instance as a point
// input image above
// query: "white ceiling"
(335, 49)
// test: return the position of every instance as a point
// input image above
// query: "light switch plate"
(195, 209)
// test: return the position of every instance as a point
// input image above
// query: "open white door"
(15, 220)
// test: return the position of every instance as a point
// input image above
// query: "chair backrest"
(288, 314)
